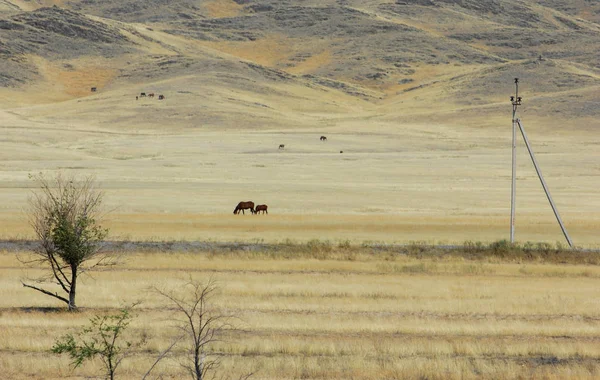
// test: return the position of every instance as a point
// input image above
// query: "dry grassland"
(393, 183)
(349, 314)
(413, 168)
(428, 165)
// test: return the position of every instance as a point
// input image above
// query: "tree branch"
(56, 270)
(162, 355)
(55, 295)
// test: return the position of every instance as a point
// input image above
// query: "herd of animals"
(141, 95)
(150, 95)
(322, 138)
(250, 205)
(162, 97)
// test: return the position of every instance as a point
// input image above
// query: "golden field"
(340, 313)
(352, 315)
(393, 183)
(414, 101)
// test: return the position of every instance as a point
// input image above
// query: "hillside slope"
(460, 54)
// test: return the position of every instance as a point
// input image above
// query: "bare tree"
(200, 324)
(65, 215)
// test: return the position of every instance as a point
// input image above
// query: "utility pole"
(516, 101)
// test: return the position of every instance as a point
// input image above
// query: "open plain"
(325, 311)
(392, 183)
(413, 97)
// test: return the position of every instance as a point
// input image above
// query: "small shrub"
(318, 248)
(529, 247)
(473, 247)
(502, 248)
(102, 339)
(544, 248)
(417, 248)
(344, 244)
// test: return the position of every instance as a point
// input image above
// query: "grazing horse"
(244, 206)
(260, 208)
(142, 94)
(151, 95)
(161, 97)
(281, 146)
(323, 138)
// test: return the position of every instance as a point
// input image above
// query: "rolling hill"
(461, 54)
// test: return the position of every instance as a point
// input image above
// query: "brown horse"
(323, 138)
(260, 208)
(244, 206)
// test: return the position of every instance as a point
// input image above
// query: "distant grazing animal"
(341, 151)
(260, 208)
(281, 146)
(93, 89)
(161, 97)
(151, 95)
(142, 94)
(244, 206)
(323, 138)
(136, 98)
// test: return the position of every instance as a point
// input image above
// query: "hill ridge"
(389, 52)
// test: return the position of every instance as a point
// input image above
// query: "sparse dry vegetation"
(337, 310)
(413, 92)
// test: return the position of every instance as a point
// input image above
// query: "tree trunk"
(111, 370)
(73, 288)
(198, 364)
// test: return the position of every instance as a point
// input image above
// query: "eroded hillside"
(461, 54)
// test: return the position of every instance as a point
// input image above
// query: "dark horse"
(260, 208)
(323, 138)
(244, 206)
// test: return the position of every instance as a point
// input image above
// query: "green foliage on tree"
(65, 215)
(102, 339)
